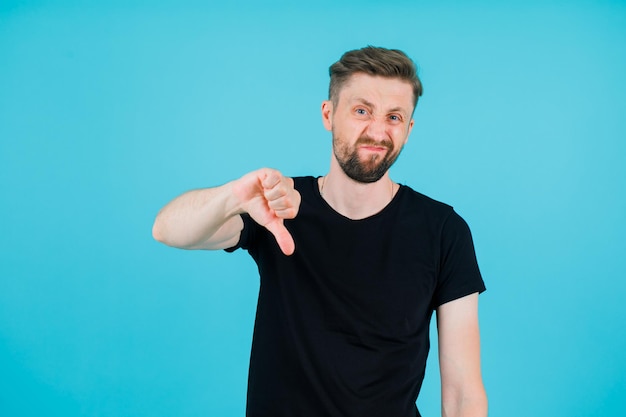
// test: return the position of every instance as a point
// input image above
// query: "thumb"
(282, 236)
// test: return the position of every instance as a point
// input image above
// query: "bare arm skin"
(209, 218)
(462, 390)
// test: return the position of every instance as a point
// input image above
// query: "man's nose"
(377, 129)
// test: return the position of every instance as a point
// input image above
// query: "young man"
(352, 264)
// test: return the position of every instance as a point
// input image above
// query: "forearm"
(199, 219)
(462, 390)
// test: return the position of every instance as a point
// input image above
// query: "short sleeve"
(459, 274)
(247, 234)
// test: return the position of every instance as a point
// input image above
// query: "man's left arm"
(462, 390)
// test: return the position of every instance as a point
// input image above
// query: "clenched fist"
(269, 198)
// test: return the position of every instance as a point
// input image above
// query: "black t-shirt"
(342, 325)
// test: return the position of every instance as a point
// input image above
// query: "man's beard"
(367, 171)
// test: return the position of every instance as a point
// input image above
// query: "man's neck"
(353, 199)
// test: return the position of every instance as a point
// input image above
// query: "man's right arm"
(200, 219)
(209, 218)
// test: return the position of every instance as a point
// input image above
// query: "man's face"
(370, 123)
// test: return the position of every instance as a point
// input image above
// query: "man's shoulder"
(415, 198)
(303, 180)
(306, 185)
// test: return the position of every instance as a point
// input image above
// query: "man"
(352, 264)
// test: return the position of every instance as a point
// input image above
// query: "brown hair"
(390, 63)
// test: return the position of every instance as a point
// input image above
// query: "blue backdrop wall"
(110, 109)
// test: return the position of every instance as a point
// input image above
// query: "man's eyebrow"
(371, 105)
(398, 109)
(362, 100)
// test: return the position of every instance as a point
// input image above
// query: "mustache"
(367, 141)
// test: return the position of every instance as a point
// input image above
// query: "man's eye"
(394, 118)
(361, 111)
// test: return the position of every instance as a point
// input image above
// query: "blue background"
(107, 111)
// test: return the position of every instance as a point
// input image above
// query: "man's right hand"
(269, 198)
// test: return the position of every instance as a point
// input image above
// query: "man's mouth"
(372, 148)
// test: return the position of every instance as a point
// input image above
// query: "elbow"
(157, 231)
(166, 235)
(156, 235)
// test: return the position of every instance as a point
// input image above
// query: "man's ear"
(327, 114)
